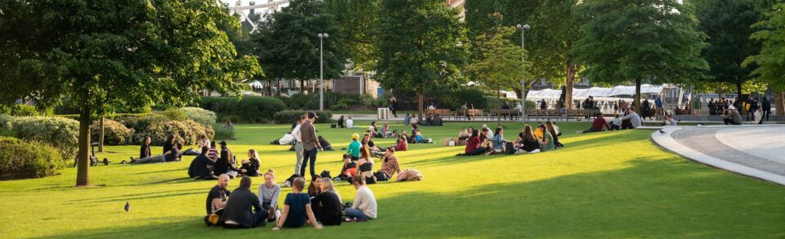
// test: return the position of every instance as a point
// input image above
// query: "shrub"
(175, 114)
(28, 159)
(5, 120)
(140, 122)
(290, 116)
(187, 131)
(223, 132)
(251, 109)
(20, 110)
(200, 115)
(367, 100)
(115, 133)
(59, 132)
(341, 105)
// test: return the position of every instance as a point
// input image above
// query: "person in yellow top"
(538, 132)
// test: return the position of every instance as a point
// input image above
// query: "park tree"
(639, 40)
(771, 68)
(420, 44)
(728, 27)
(357, 19)
(497, 61)
(287, 45)
(121, 53)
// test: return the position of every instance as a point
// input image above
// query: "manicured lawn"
(602, 185)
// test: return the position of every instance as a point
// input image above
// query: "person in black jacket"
(144, 151)
(251, 166)
(766, 108)
(224, 166)
(327, 205)
(238, 211)
(169, 144)
(198, 168)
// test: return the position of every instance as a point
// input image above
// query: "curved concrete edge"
(666, 141)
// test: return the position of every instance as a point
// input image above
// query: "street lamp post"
(523, 28)
(321, 69)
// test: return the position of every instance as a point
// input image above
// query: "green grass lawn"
(602, 185)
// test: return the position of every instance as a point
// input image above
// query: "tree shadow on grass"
(139, 196)
(649, 198)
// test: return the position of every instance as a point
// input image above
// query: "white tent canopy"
(596, 92)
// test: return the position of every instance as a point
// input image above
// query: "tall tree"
(727, 25)
(287, 44)
(357, 19)
(771, 67)
(639, 40)
(103, 54)
(421, 44)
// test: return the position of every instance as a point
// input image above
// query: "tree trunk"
(420, 105)
(101, 136)
(571, 70)
(779, 103)
(638, 108)
(499, 101)
(302, 86)
(742, 111)
(82, 175)
(719, 92)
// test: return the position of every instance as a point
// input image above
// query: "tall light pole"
(523, 28)
(321, 69)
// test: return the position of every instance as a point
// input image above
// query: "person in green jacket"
(354, 147)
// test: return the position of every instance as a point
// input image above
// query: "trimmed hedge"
(251, 109)
(290, 116)
(187, 131)
(28, 159)
(115, 133)
(200, 115)
(61, 133)
(175, 114)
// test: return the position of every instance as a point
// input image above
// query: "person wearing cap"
(310, 142)
(298, 143)
(732, 116)
(354, 147)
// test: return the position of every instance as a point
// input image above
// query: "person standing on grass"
(297, 208)
(311, 144)
(298, 143)
(216, 198)
(364, 205)
(238, 211)
(327, 205)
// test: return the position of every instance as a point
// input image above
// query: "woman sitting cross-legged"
(527, 142)
(327, 205)
(268, 195)
(402, 144)
(224, 166)
(473, 147)
(365, 166)
(251, 166)
(498, 140)
(390, 166)
(297, 208)
(364, 205)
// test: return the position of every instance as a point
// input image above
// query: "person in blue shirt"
(354, 147)
(498, 140)
(658, 104)
(297, 208)
(418, 137)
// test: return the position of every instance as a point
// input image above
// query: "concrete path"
(753, 150)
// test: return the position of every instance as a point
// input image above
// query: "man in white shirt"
(364, 206)
(350, 123)
(298, 145)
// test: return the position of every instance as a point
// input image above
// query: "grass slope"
(602, 185)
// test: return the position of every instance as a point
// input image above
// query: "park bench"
(513, 113)
(442, 112)
(470, 112)
(548, 113)
(581, 113)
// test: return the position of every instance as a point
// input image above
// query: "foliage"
(223, 132)
(59, 132)
(186, 131)
(115, 133)
(175, 114)
(20, 110)
(357, 29)
(771, 68)
(5, 121)
(291, 116)
(497, 64)
(199, 115)
(636, 40)
(28, 159)
(138, 122)
(420, 45)
(249, 109)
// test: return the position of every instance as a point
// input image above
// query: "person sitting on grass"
(633, 117)
(464, 135)
(386, 130)
(216, 198)
(598, 123)
(547, 143)
(732, 116)
(326, 146)
(170, 156)
(473, 147)
(213, 153)
(203, 141)
(615, 124)
(238, 211)
(527, 142)
(552, 129)
(390, 166)
(349, 168)
(199, 166)
(498, 140)
(327, 205)
(402, 145)
(144, 151)
(350, 123)
(297, 208)
(268, 195)
(315, 187)
(354, 147)
(169, 144)
(365, 165)
(250, 166)
(364, 205)
(374, 130)
(224, 166)
(340, 123)
(229, 154)
(418, 139)
(667, 120)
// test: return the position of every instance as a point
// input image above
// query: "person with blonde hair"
(327, 205)
(526, 141)
(268, 195)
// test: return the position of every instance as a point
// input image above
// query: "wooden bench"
(513, 113)
(443, 112)
(581, 113)
(474, 113)
(545, 113)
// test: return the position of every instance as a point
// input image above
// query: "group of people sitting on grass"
(242, 208)
(172, 151)
(628, 120)
(484, 142)
(211, 163)
(358, 160)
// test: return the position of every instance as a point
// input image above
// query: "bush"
(223, 132)
(20, 110)
(115, 133)
(251, 109)
(175, 114)
(341, 105)
(290, 116)
(200, 115)
(5, 121)
(28, 159)
(187, 131)
(140, 122)
(59, 132)
(367, 100)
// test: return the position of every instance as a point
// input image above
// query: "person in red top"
(596, 126)
(473, 146)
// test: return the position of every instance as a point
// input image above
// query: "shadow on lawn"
(650, 198)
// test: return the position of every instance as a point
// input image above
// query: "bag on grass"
(409, 175)
(290, 180)
(509, 148)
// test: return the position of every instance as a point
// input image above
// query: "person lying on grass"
(170, 156)
(238, 211)
(297, 208)
(364, 205)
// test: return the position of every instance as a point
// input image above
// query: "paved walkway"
(755, 150)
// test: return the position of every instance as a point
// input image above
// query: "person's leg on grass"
(298, 149)
(154, 159)
(261, 218)
(355, 213)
